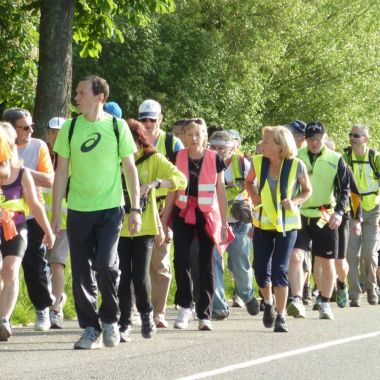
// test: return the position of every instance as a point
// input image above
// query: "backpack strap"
(143, 158)
(348, 152)
(241, 167)
(284, 177)
(116, 131)
(264, 173)
(72, 125)
(169, 138)
(371, 157)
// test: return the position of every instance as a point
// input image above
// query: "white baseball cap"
(149, 109)
(56, 122)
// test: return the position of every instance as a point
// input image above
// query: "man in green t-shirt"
(92, 152)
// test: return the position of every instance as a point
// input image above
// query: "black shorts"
(343, 232)
(17, 245)
(324, 240)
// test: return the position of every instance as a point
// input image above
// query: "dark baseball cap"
(313, 128)
(297, 126)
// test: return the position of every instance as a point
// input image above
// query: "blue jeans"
(238, 263)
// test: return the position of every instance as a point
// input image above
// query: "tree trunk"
(55, 62)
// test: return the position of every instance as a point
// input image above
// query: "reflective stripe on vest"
(269, 217)
(366, 181)
(206, 180)
(323, 172)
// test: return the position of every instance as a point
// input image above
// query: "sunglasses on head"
(355, 135)
(27, 127)
(148, 119)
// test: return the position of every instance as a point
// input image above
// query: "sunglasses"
(148, 119)
(27, 127)
(355, 135)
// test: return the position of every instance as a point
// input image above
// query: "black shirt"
(194, 170)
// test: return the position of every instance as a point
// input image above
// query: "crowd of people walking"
(118, 195)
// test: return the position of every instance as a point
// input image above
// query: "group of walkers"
(119, 193)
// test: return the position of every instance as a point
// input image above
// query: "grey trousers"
(364, 248)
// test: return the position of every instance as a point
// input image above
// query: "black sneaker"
(262, 304)
(306, 296)
(148, 327)
(280, 324)
(268, 317)
(253, 306)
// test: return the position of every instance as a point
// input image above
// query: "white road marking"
(282, 355)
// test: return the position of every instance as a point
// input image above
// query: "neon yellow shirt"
(95, 182)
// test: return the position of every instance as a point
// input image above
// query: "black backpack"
(371, 160)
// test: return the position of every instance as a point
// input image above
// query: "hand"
(256, 199)
(49, 240)
(356, 228)
(288, 204)
(144, 189)
(160, 238)
(251, 232)
(168, 233)
(224, 235)
(335, 221)
(56, 225)
(134, 222)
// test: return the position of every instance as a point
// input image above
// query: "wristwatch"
(159, 182)
(138, 210)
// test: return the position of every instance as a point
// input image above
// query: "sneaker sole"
(294, 312)
(4, 335)
(77, 347)
(325, 316)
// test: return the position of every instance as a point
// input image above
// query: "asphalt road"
(240, 348)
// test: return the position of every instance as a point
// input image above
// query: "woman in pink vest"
(199, 211)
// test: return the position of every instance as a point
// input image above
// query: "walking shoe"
(220, 315)
(111, 334)
(262, 304)
(237, 301)
(355, 302)
(268, 316)
(148, 327)
(325, 311)
(318, 302)
(253, 306)
(296, 308)
(161, 322)
(91, 339)
(280, 324)
(204, 325)
(135, 318)
(342, 297)
(372, 297)
(125, 334)
(56, 316)
(333, 295)
(306, 296)
(42, 322)
(182, 320)
(5, 330)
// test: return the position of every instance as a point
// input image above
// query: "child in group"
(18, 196)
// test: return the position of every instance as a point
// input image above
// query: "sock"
(268, 302)
(325, 299)
(341, 285)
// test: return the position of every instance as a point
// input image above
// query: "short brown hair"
(98, 85)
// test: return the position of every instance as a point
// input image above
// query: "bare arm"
(302, 196)
(5, 170)
(42, 179)
(59, 191)
(36, 208)
(133, 186)
(251, 188)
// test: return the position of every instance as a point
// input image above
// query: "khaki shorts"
(60, 251)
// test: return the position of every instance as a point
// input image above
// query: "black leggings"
(134, 255)
(184, 234)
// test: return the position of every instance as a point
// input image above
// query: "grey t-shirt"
(272, 182)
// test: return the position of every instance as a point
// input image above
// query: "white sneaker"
(42, 322)
(111, 334)
(325, 311)
(183, 318)
(204, 325)
(296, 308)
(56, 316)
(161, 322)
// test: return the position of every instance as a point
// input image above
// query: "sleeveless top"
(13, 191)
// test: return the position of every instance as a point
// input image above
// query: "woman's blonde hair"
(284, 138)
(10, 135)
(197, 123)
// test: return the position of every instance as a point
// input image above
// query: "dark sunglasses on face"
(355, 135)
(27, 127)
(148, 119)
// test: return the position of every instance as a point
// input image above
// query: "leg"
(327, 277)
(296, 273)
(220, 305)
(10, 277)
(160, 278)
(36, 270)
